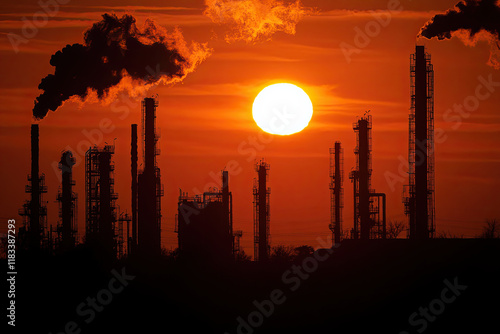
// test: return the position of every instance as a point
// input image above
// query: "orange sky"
(206, 121)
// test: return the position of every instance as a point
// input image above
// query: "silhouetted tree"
(491, 230)
(394, 229)
(241, 256)
(302, 252)
(282, 253)
(448, 235)
(170, 254)
(164, 252)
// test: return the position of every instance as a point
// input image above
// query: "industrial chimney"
(33, 211)
(261, 213)
(361, 178)
(336, 192)
(419, 193)
(369, 206)
(149, 186)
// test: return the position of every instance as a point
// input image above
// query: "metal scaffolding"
(378, 204)
(100, 205)
(418, 195)
(121, 250)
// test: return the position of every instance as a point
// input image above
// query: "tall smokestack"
(261, 207)
(419, 200)
(149, 185)
(149, 134)
(133, 155)
(33, 212)
(337, 201)
(363, 152)
(420, 228)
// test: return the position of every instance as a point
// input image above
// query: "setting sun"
(282, 109)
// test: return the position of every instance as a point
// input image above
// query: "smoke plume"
(470, 20)
(255, 20)
(116, 55)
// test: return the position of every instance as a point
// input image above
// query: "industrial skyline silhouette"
(113, 272)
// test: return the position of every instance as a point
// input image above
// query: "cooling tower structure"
(261, 194)
(418, 195)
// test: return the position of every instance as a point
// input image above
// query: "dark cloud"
(470, 20)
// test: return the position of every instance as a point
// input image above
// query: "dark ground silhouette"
(363, 286)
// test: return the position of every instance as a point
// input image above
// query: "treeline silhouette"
(361, 286)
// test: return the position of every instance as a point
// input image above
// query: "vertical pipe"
(34, 226)
(384, 221)
(149, 135)
(149, 239)
(128, 237)
(231, 222)
(133, 156)
(105, 212)
(338, 185)
(364, 179)
(263, 242)
(67, 213)
(355, 206)
(226, 209)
